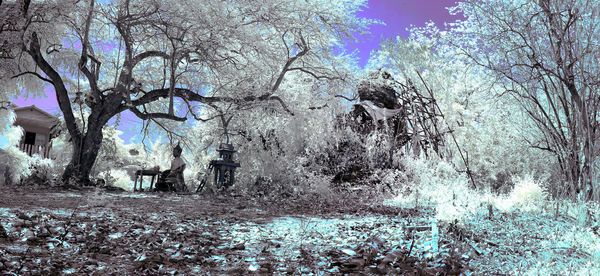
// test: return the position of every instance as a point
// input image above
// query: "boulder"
(379, 89)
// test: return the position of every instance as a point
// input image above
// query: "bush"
(434, 183)
(18, 167)
(117, 178)
(527, 194)
(40, 171)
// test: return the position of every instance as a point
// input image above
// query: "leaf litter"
(106, 233)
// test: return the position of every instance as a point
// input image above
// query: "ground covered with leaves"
(98, 232)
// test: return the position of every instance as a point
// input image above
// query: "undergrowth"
(549, 236)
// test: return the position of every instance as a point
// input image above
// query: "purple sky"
(397, 14)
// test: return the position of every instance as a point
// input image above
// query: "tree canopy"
(155, 57)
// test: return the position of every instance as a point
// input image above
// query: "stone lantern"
(225, 166)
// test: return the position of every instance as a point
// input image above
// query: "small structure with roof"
(38, 126)
(224, 167)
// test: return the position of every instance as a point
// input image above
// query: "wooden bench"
(140, 174)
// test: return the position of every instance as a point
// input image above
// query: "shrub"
(18, 167)
(434, 183)
(117, 178)
(40, 171)
(527, 194)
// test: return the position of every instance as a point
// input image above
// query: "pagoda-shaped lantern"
(224, 167)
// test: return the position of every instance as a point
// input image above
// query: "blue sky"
(397, 14)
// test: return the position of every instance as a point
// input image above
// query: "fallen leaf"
(348, 251)
(252, 268)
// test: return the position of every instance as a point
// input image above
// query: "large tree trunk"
(85, 151)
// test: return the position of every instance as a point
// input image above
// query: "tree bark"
(85, 151)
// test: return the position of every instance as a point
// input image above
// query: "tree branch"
(190, 95)
(270, 98)
(196, 117)
(147, 116)
(317, 107)
(92, 78)
(313, 74)
(346, 98)
(32, 73)
(138, 58)
(61, 91)
(289, 62)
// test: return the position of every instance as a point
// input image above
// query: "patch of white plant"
(449, 212)
(118, 178)
(18, 163)
(7, 118)
(527, 195)
(436, 183)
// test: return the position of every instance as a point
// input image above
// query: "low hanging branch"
(189, 95)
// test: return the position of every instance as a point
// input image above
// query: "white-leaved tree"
(484, 134)
(544, 54)
(166, 60)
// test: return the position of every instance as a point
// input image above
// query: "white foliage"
(61, 150)
(448, 212)
(118, 178)
(42, 167)
(506, 39)
(249, 49)
(16, 161)
(435, 183)
(7, 118)
(482, 124)
(13, 135)
(526, 195)
(161, 154)
(22, 165)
